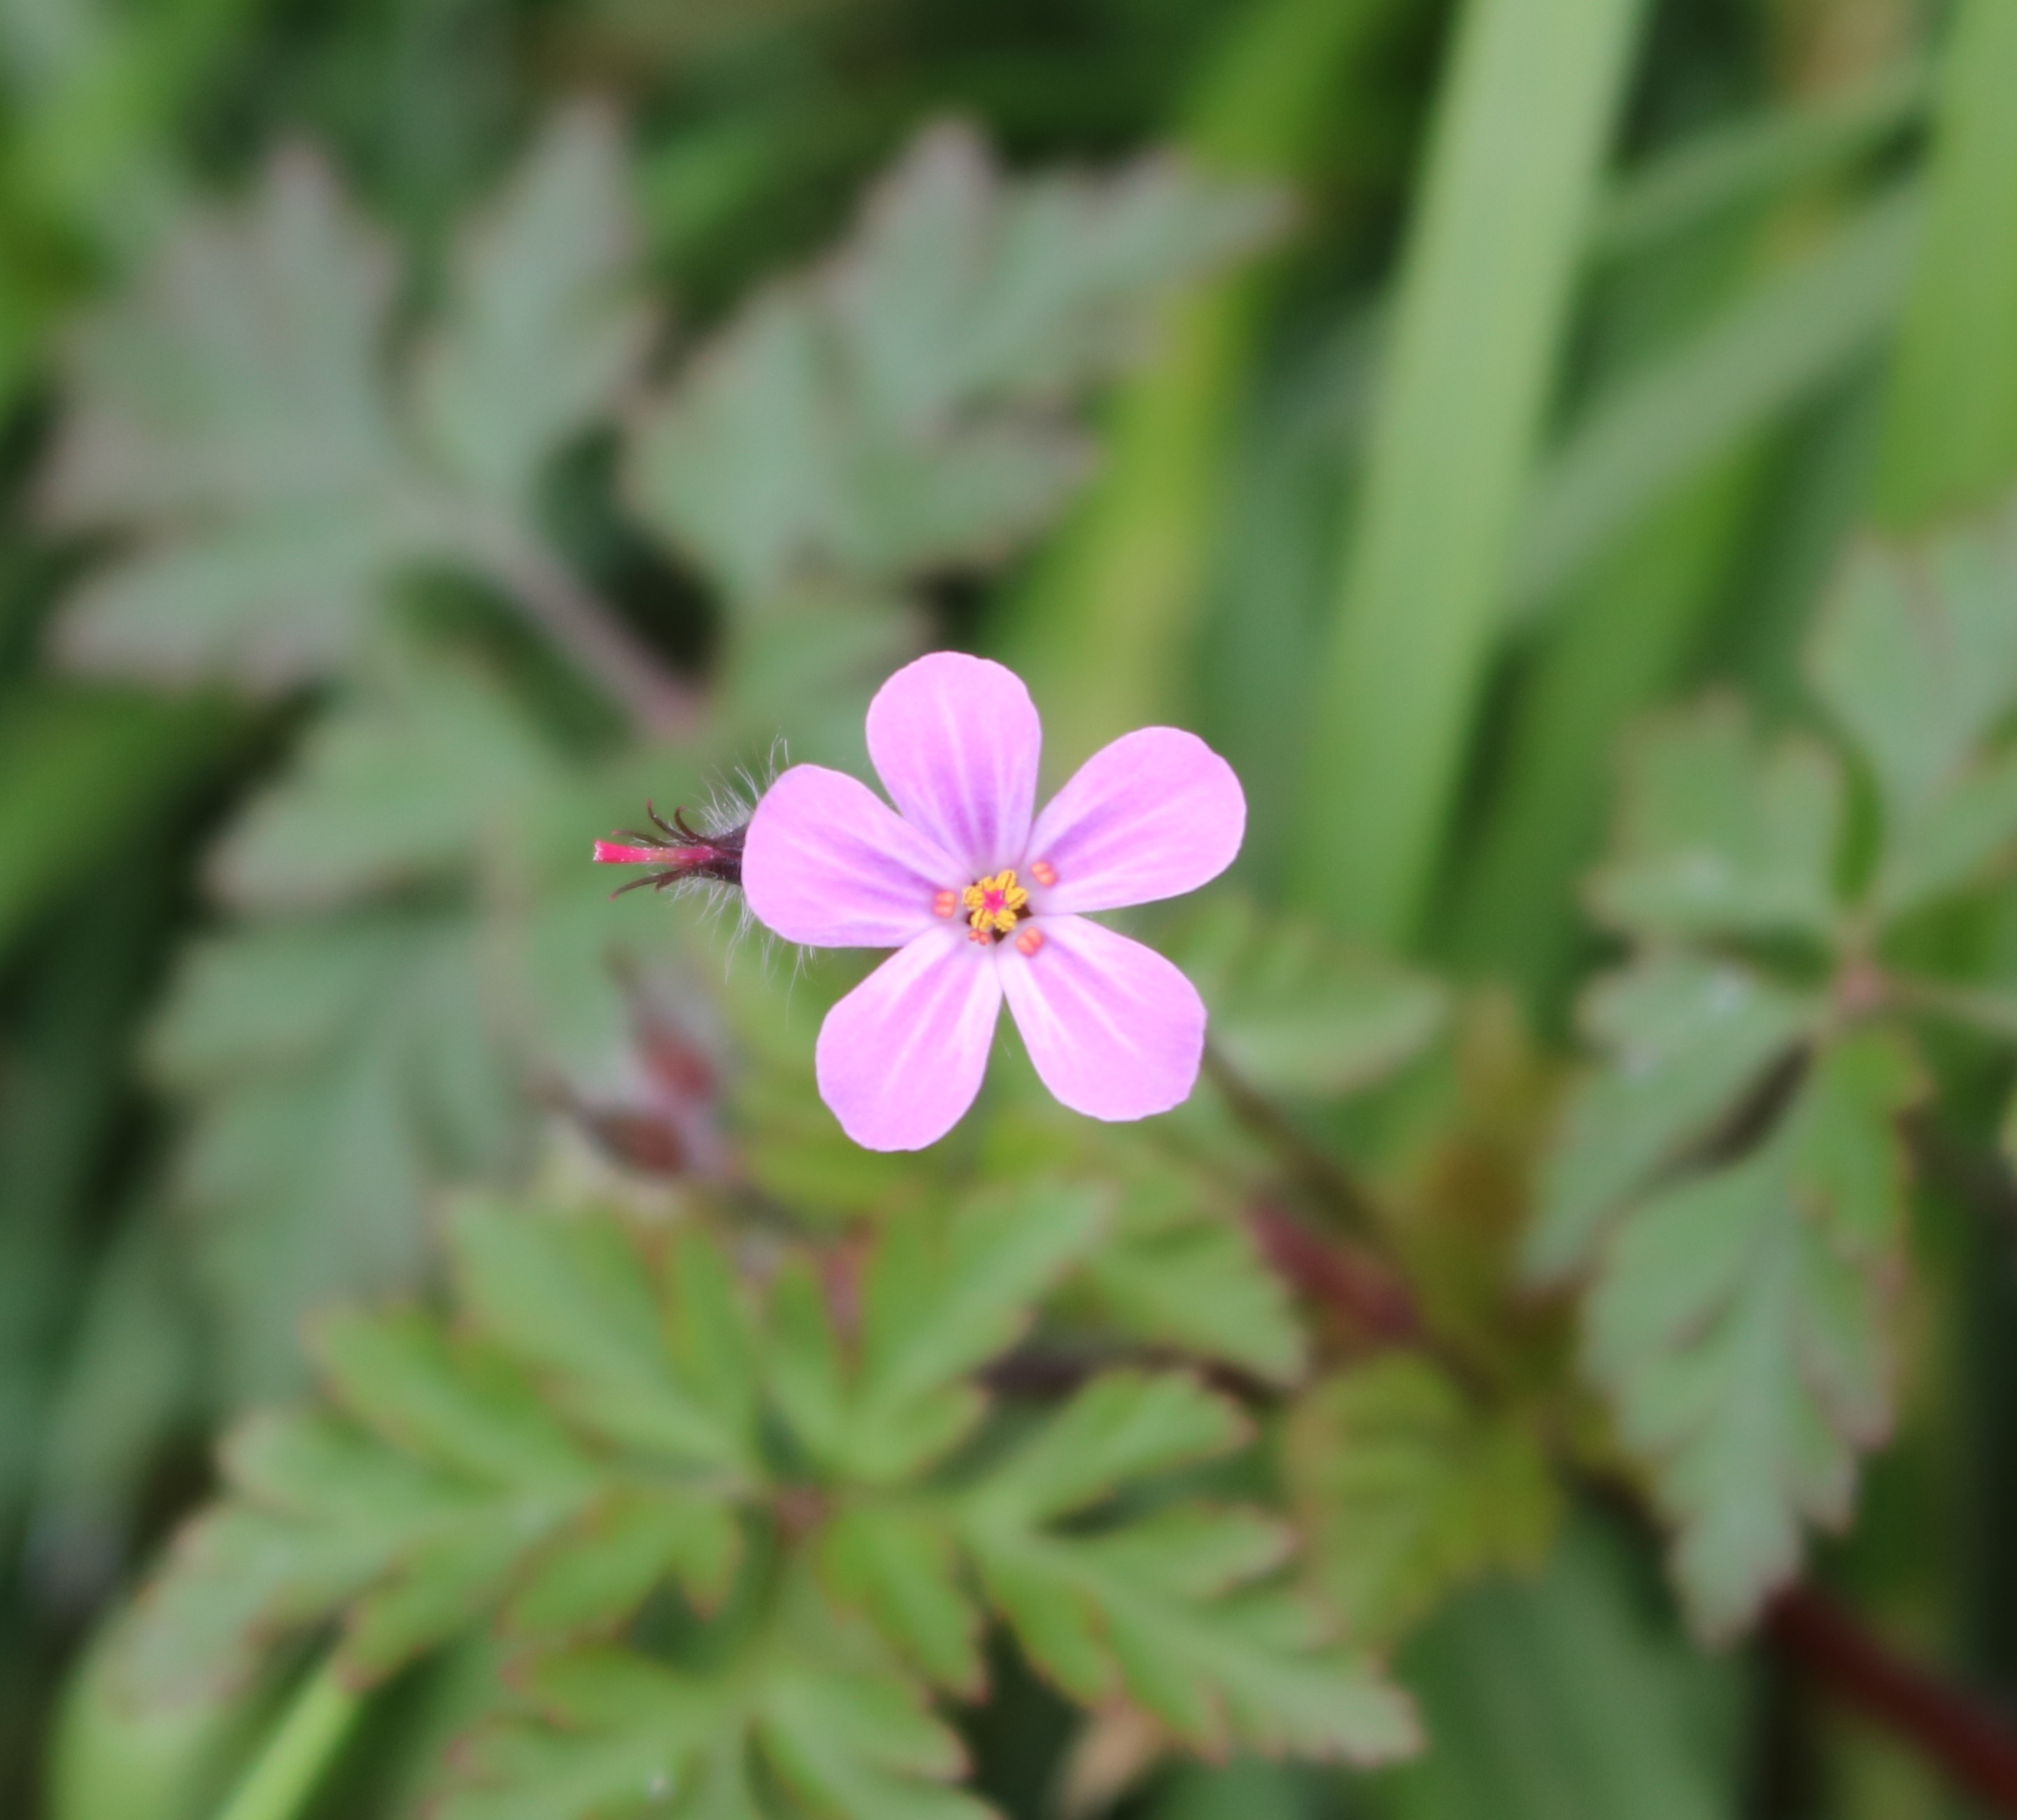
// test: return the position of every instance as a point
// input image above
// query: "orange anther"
(945, 903)
(1043, 872)
(1028, 941)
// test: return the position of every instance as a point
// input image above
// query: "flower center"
(994, 905)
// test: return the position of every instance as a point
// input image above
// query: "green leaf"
(620, 1736)
(444, 1489)
(811, 1711)
(1122, 1426)
(1687, 1039)
(1294, 1011)
(464, 1407)
(602, 1568)
(327, 1517)
(411, 779)
(1717, 836)
(1179, 1268)
(108, 1760)
(939, 1298)
(1737, 1323)
(898, 1564)
(669, 1372)
(230, 408)
(237, 417)
(1168, 1611)
(903, 407)
(338, 1075)
(1916, 659)
(1481, 312)
(1407, 1489)
(542, 339)
(1572, 1692)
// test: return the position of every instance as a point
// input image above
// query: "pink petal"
(955, 740)
(1155, 814)
(827, 862)
(1114, 1030)
(900, 1059)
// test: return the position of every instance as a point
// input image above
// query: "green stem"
(298, 1751)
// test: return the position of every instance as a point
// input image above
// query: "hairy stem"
(298, 1751)
(1944, 1723)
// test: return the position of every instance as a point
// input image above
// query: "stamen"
(1043, 872)
(993, 906)
(1028, 941)
(945, 903)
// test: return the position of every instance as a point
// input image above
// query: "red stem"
(1368, 1299)
(1964, 1736)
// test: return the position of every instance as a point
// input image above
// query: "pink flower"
(981, 903)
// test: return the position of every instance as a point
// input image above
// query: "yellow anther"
(993, 904)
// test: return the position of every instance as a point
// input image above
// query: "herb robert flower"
(982, 904)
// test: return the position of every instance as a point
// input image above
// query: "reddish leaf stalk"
(1960, 1734)
(1361, 1294)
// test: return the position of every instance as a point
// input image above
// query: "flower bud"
(677, 851)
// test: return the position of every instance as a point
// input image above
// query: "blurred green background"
(430, 427)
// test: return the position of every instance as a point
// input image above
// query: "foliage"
(1407, 1488)
(1735, 1177)
(413, 467)
(612, 1419)
(382, 1041)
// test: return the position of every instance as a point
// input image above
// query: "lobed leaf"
(1916, 659)
(339, 1075)
(1718, 838)
(1295, 1011)
(667, 1371)
(905, 407)
(1738, 1324)
(1180, 1268)
(811, 1711)
(230, 409)
(1407, 1489)
(411, 779)
(237, 414)
(896, 1563)
(1687, 1038)
(1165, 1610)
(938, 1298)
(542, 337)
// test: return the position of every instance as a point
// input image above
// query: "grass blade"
(1755, 159)
(1483, 302)
(1787, 340)
(1105, 629)
(1951, 437)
